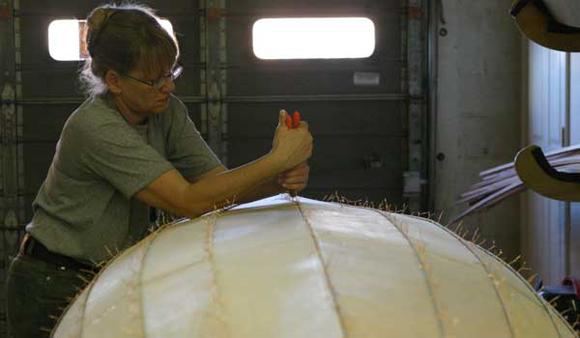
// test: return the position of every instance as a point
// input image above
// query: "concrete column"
(477, 119)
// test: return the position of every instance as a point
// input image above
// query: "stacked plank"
(501, 182)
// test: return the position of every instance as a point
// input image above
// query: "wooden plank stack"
(501, 182)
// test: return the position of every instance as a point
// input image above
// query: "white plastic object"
(295, 268)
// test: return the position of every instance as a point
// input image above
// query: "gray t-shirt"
(84, 206)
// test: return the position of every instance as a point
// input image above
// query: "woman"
(128, 147)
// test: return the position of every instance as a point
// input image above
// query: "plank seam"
(424, 269)
(329, 285)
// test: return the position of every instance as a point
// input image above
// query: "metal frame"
(435, 18)
(238, 99)
(415, 48)
(11, 149)
(214, 75)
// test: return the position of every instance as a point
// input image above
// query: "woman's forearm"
(248, 182)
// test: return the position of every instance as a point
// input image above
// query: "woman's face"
(140, 94)
(146, 94)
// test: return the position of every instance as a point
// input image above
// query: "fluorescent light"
(63, 40)
(313, 38)
(64, 37)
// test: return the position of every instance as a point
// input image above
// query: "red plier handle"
(294, 121)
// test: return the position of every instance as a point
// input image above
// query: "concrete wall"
(477, 122)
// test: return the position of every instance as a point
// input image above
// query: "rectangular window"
(66, 39)
(313, 38)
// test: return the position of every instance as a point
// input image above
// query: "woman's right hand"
(291, 146)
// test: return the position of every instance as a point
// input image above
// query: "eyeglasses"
(157, 84)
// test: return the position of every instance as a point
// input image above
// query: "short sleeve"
(187, 150)
(118, 154)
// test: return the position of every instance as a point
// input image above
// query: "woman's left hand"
(295, 179)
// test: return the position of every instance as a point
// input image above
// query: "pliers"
(292, 123)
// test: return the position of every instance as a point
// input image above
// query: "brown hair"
(122, 38)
